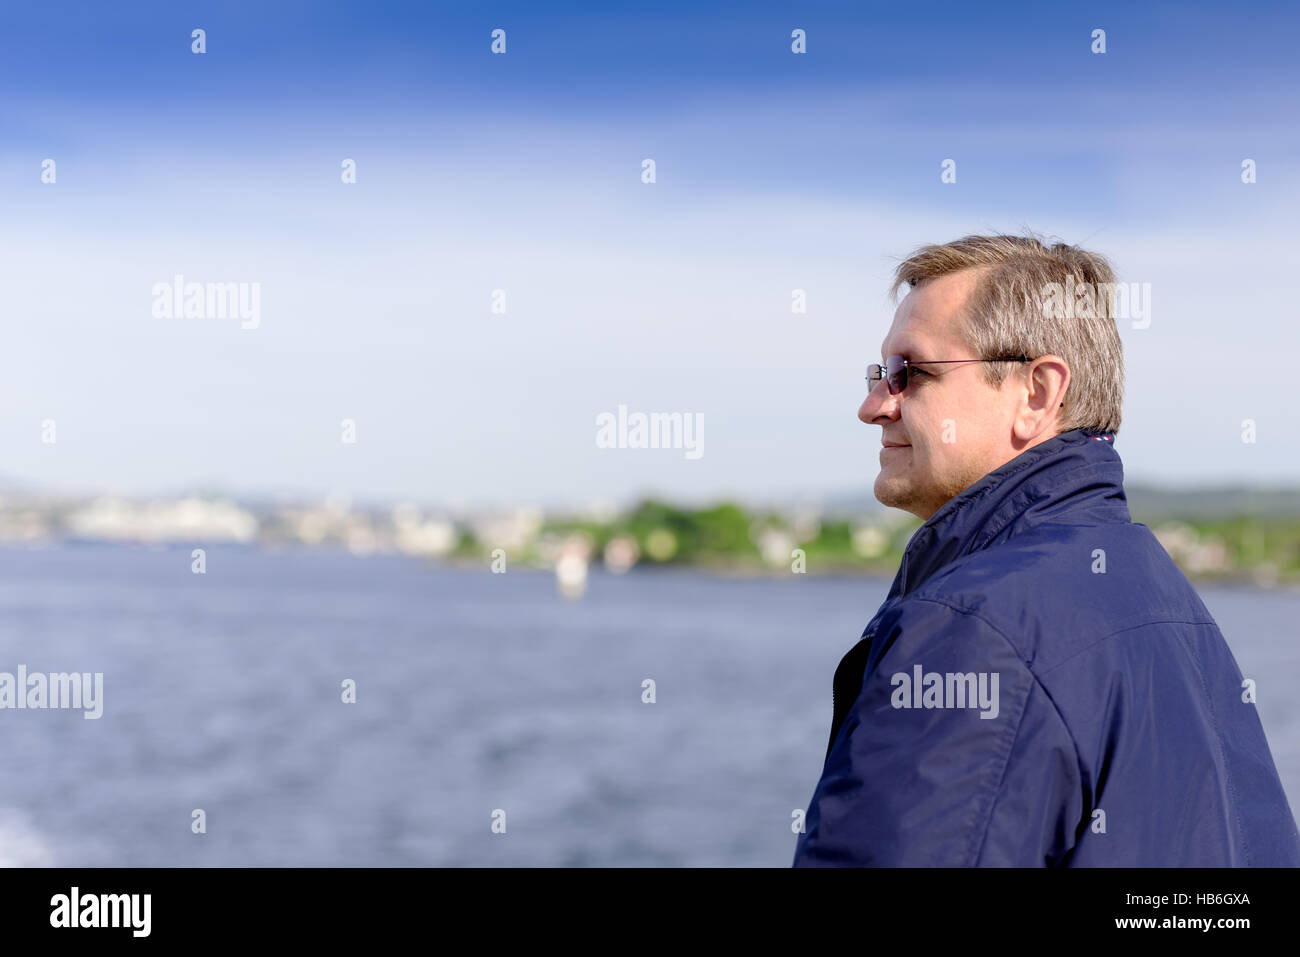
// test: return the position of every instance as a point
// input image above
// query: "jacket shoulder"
(1055, 590)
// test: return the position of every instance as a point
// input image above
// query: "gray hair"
(1015, 309)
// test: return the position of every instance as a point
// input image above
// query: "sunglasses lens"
(896, 370)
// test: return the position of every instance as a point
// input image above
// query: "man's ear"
(1045, 382)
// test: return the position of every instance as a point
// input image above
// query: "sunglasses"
(896, 370)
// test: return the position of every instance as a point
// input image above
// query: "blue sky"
(521, 172)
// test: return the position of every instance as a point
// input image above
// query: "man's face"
(949, 427)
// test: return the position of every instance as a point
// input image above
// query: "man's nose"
(878, 404)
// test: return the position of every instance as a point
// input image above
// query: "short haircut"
(1014, 310)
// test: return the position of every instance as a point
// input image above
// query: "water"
(475, 692)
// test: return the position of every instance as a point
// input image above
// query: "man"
(1042, 686)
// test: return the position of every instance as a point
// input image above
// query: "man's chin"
(891, 491)
(894, 491)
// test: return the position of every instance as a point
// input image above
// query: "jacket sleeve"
(919, 777)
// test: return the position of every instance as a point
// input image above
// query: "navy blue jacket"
(1044, 687)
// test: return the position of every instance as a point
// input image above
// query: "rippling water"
(475, 692)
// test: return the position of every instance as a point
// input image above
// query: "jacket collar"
(1074, 477)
